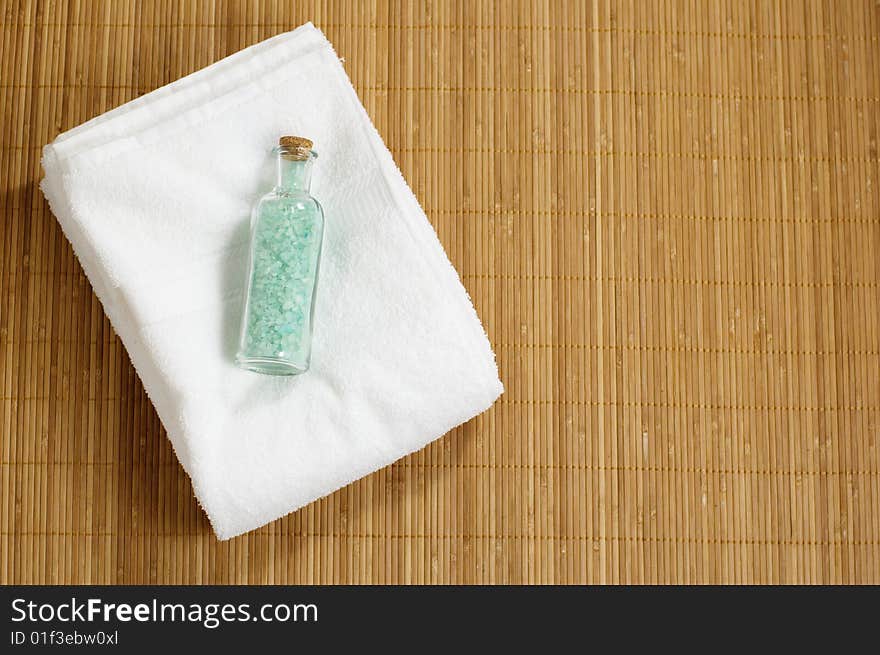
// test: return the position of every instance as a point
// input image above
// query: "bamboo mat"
(667, 215)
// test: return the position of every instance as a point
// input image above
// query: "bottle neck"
(294, 175)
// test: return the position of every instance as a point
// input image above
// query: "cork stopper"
(295, 147)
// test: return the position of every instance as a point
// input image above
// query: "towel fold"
(155, 197)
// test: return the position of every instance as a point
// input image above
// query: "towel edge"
(225, 534)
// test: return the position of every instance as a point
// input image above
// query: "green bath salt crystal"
(286, 234)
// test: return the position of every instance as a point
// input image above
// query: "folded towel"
(155, 197)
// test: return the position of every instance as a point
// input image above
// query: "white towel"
(155, 197)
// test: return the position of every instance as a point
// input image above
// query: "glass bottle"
(287, 228)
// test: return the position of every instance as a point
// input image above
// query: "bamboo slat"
(667, 215)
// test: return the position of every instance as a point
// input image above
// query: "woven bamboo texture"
(667, 215)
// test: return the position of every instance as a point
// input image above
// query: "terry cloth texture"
(155, 197)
